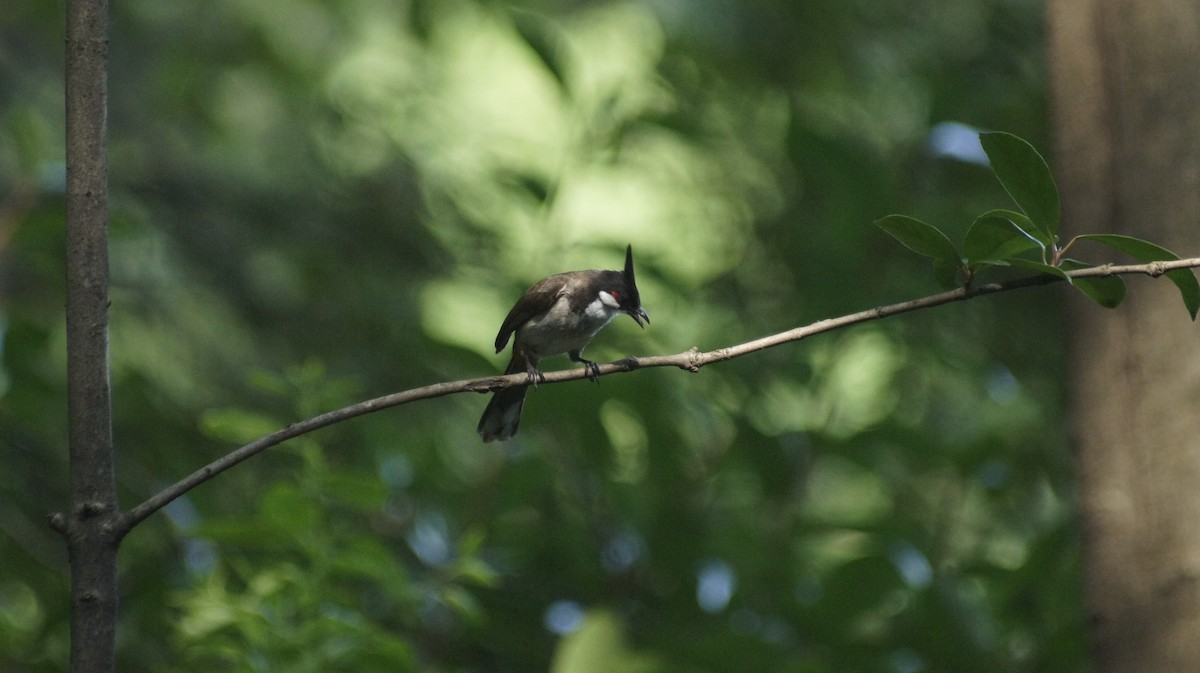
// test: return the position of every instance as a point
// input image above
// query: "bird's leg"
(593, 369)
(535, 375)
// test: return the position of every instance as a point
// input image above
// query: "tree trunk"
(1126, 88)
(90, 523)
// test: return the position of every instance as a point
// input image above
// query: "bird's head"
(627, 297)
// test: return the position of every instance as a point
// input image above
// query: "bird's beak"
(638, 315)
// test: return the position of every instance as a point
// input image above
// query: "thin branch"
(692, 360)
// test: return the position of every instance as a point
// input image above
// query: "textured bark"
(1126, 88)
(89, 523)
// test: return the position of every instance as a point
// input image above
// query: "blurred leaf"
(1107, 291)
(468, 566)
(285, 506)
(471, 542)
(270, 383)
(207, 611)
(248, 532)
(1145, 251)
(422, 18)
(476, 571)
(237, 426)
(598, 646)
(463, 603)
(858, 586)
(545, 40)
(1025, 177)
(525, 185)
(30, 136)
(364, 557)
(925, 239)
(363, 492)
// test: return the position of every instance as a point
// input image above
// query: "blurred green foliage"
(315, 202)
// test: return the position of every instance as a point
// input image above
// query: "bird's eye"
(616, 295)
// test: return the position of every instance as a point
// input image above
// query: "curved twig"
(691, 360)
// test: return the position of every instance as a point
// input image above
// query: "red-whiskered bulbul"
(559, 314)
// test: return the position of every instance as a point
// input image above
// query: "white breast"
(557, 331)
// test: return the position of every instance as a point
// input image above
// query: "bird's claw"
(593, 371)
(535, 376)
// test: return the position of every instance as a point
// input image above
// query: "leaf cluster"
(1004, 238)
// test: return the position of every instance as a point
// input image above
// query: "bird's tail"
(502, 416)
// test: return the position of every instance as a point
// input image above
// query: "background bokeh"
(318, 201)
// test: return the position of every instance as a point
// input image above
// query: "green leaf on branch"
(925, 239)
(1107, 291)
(920, 237)
(1145, 251)
(994, 239)
(1040, 268)
(1026, 226)
(1026, 177)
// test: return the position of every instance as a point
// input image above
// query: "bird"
(558, 315)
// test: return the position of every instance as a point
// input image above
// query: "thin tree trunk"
(1126, 90)
(91, 538)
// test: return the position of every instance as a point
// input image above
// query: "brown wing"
(536, 301)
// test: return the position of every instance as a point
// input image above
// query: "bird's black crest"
(629, 266)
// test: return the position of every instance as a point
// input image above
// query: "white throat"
(602, 309)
